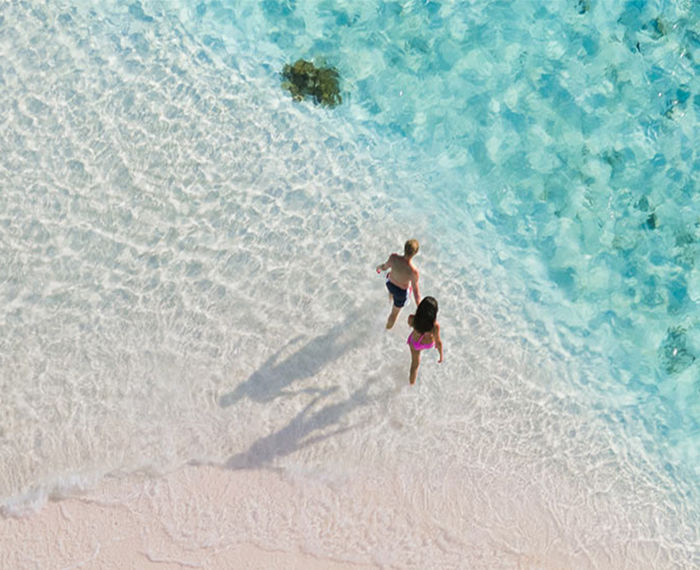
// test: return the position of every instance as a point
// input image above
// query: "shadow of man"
(305, 429)
(273, 378)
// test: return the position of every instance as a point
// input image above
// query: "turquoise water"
(569, 131)
(185, 250)
(574, 125)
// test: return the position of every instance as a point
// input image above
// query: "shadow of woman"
(273, 378)
(305, 429)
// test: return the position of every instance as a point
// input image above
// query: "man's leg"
(392, 316)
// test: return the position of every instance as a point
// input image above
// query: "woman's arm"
(438, 340)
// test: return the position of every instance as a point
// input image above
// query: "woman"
(425, 333)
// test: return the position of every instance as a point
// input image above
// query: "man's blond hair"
(410, 248)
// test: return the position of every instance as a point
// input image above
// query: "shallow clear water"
(188, 253)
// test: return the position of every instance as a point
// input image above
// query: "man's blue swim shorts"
(400, 295)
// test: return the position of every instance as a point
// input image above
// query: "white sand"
(131, 523)
(200, 517)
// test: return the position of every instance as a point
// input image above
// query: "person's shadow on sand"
(274, 378)
(306, 428)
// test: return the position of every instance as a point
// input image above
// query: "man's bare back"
(403, 273)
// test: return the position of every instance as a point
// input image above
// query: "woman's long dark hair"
(424, 321)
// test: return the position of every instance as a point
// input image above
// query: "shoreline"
(202, 516)
(127, 523)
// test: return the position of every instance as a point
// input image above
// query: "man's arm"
(386, 265)
(416, 291)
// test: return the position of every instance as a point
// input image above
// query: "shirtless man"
(403, 273)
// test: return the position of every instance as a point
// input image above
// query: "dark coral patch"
(304, 79)
(673, 352)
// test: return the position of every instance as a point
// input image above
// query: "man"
(403, 275)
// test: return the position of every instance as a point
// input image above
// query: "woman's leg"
(415, 361)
